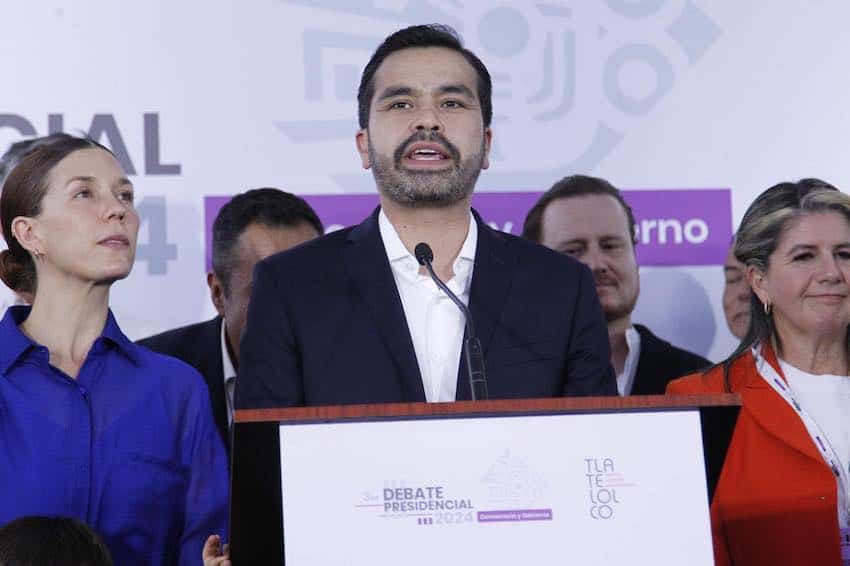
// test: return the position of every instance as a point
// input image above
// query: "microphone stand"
(471, 346)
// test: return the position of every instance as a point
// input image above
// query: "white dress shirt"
(229, 372)
(626, 380)
(827, 399)
(435, 323)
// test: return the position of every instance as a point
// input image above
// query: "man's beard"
(621, 309)
(417, 188)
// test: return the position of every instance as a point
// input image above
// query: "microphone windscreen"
(423, 253)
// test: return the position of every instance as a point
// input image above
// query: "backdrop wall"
(208, 99)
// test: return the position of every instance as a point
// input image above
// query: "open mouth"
(426, 154)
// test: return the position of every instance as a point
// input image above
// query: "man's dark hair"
(58, 541)
(431, 35)
(267, 206)
(569, 187)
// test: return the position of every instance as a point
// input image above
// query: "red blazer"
(776, 500)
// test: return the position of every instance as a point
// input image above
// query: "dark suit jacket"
(199, 345)
(326, 325)
(659, 362)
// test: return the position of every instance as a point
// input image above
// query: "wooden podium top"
(507, 406)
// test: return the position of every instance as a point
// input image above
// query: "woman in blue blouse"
(93, 426)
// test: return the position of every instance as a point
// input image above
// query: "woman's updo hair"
(768, 217)
(22, 194)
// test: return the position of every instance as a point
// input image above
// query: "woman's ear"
(758, 283)
(25, 231)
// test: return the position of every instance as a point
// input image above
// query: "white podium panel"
(604, 489)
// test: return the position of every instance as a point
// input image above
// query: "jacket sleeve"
(695, 383)
(269, 361)
(680, 386)
(721, 551)
(588, 364)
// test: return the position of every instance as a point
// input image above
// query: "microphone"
(471, 346)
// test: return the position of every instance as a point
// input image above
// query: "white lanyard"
(768, 373)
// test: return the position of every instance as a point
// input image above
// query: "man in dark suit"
(251, 226)
(736, 295)
(587, 218)
(352, 318)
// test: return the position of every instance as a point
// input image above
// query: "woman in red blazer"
(782, 497)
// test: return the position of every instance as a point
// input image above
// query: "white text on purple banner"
(673, 227)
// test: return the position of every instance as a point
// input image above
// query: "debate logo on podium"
(427, 504)
(514, 492)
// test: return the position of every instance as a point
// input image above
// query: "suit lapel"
(773, 413)
(210, 364)
(366, 261)
(648, 375)
(646, 372)
(492, 276)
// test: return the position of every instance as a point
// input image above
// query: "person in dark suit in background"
(251, 226)
(736, 295)
(353, 318)
(587, 218)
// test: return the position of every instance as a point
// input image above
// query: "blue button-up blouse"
(129, 446)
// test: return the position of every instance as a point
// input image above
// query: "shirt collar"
(228, 369)
(112, 332)
(392, 243)
(632, 339)
(625, 381)
(396, 250)
(467, 250)
(16, 343)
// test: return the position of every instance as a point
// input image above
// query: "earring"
(767, 308)
(38, 254)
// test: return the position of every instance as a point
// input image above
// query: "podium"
(607, 480)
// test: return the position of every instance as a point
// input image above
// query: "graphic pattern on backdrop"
(593, 69)
(266, 96)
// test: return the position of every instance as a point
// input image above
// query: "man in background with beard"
(587, 218)
(352, 317)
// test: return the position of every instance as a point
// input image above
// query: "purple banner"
(674, 227)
